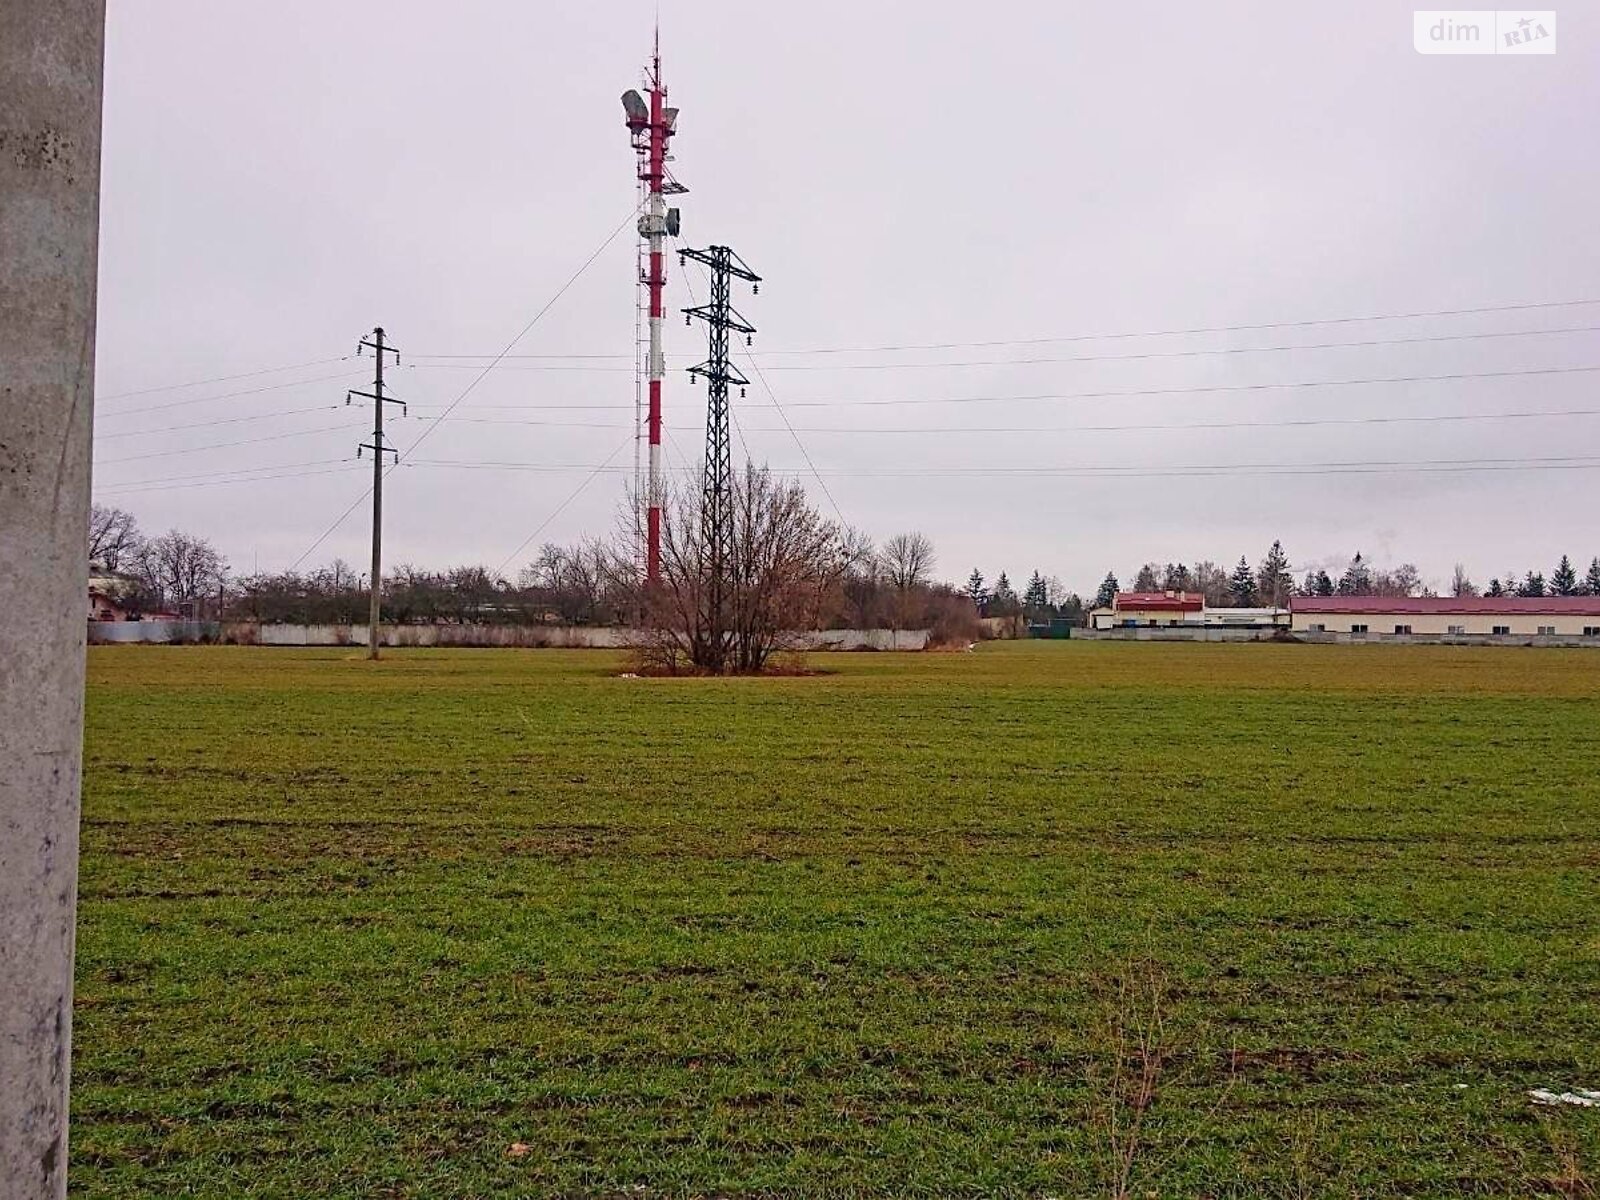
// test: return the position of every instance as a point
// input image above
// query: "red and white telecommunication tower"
(651, 125)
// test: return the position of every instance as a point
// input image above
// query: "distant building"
(108, 591)
(1446, 616)
(1150, 609)
(1188, 610)
(105, 606)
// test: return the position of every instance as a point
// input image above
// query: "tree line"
(1043, 598)
(851, 582)
(854, 583)
(1272, 583)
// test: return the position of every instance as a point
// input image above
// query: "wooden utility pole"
(375, 603)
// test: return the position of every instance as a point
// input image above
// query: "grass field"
(484, 923)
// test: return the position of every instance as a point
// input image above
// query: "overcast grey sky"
(279, 178)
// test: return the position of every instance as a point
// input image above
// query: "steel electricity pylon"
(716, 505)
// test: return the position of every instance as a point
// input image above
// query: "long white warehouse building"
(1444, 616)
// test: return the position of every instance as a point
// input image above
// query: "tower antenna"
(651, 124)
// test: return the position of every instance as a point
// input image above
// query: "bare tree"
(114, 539)
(907, 560)
(786, 562)
(906, 564)
(1211, 581)
(1404, 580)
(863, 593)
(586, 584)
(1461, 584)
(181, 569)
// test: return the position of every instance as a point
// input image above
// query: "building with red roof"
(1184, 610)
(1448, 616)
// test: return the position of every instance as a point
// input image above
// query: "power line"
(271, 437)
(560, 508)
(1115, 336)
(1095, 395)
(524, 357)
(287, 412)
(471, 366)
(1114, 472)
(1199, 390)
(347, 465)
(1265, 325)
(918, 431)
(1159, 354)
(271, 387)
(317, 462)
(1292, 423)
(1220, 470)
(557, 407)
(522, 333)
(172, 387)
(479, 378)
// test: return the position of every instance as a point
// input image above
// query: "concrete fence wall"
(247, 633)
(1004, 628)
(1175, 633)
(102, 633)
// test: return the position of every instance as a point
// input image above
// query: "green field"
(485, 923)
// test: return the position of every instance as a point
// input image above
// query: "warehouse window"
(1317, 629)
(1402, 629)
(1591, 631)
(1501, 630)
(1358, 629)
(1457, 629)
(1547, 631)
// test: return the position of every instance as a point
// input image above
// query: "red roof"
(1468, 606)
(1161, 601)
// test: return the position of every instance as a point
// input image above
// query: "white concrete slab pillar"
(50, 80)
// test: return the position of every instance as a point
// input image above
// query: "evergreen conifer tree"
(1242, 585)
(1564, 579)
(1107, 595)
(1003, 600)
(1274, 584)
(1037, 598)
(1357, 578)
(975, 589)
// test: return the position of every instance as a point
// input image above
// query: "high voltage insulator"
(716, 504)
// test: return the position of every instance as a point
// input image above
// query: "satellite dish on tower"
(674, 222)
(636, 110)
